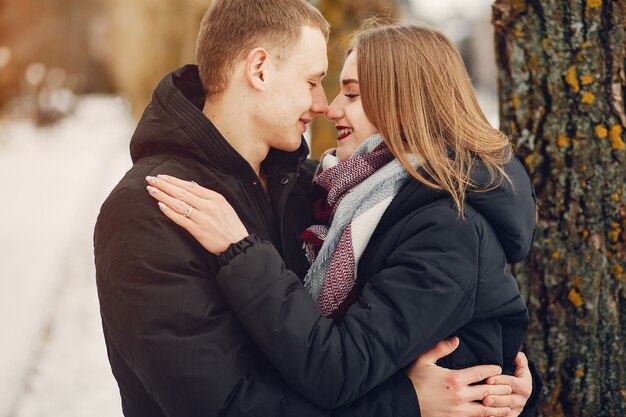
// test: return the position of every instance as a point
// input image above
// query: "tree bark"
(561, 92)
(148, 39)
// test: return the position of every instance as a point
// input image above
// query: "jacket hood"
(173, 122)
(510, 208)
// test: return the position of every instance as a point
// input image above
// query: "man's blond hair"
(230, 29)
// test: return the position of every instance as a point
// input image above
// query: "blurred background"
(74, 77)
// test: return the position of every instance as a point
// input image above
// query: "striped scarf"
(356, 193)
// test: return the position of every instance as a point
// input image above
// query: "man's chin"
(289, 146)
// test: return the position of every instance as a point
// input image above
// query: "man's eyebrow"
(321, 74)
(349, 81)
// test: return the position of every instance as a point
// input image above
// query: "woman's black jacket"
(426, 275)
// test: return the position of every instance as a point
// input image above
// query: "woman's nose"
(334, 110)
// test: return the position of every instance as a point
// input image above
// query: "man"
(232, 124)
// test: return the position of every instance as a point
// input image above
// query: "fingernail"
(165, 177)
(151, 189)
(151, 180)
(163, 206)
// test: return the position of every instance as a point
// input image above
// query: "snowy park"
(53, 359)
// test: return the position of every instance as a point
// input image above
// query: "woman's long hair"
(416, 91)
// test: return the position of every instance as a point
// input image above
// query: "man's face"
(294, 92)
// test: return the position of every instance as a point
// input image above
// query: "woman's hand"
(205, 214)
(521, 383)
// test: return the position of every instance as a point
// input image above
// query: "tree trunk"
(146, 40)
(562, 84)
(345, 16)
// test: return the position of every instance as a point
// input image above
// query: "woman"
(420, 207)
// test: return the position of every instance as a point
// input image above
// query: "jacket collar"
(181, 96)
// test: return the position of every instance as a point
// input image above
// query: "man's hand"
(444, 392)
(521, 383)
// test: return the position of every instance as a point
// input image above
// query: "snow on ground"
(52, 356)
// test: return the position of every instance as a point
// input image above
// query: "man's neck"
(237, 129)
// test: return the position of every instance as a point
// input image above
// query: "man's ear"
(257, 63)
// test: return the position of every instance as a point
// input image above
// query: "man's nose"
(320, 103)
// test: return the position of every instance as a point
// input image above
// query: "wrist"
(237, 248)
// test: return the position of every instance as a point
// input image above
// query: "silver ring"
(189, 211)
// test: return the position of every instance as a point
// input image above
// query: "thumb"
(521, 363)
(441, 349)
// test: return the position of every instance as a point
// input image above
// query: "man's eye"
(351, 96)
(312, 84)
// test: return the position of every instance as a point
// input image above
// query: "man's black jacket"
(175, 346)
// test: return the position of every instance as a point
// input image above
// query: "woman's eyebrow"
(349, 81)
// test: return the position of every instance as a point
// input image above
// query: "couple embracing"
(238, 278)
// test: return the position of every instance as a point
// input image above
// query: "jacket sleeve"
(424, 293)
(169, 322)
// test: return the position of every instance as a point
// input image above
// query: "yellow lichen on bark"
(615, 136)
(588, 98)
(562, 141)
(601, 131)
(571, 79)
(528, 160)
(592, 4)
(579, 373)
(586, 79)
(617, 271)
(575, 298)
(519, 4)
(614, 235)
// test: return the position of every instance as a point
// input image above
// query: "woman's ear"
(257, 63)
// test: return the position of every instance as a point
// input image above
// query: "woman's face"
(346, 111)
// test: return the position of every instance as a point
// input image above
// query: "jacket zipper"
(287, 182)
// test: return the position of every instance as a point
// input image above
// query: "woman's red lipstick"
(347, 131)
